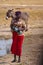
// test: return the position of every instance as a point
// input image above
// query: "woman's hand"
(26, 29)
(11, 30)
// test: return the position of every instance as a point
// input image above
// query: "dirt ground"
(31, 52)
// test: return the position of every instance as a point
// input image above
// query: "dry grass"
(21, 2)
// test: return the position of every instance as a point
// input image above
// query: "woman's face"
(18, 14)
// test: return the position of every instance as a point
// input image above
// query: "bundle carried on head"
(16, 16)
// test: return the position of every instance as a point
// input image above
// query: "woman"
(17, 36)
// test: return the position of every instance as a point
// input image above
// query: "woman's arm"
(18, 23)
(22, 27)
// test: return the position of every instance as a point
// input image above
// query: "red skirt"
(16, 47)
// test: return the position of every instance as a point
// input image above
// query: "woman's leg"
(19, 58)
(19, 46)
(14, 58)
(13, 47)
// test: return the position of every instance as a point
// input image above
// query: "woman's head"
(18, 14)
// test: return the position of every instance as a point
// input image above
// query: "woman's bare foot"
(13, 61)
